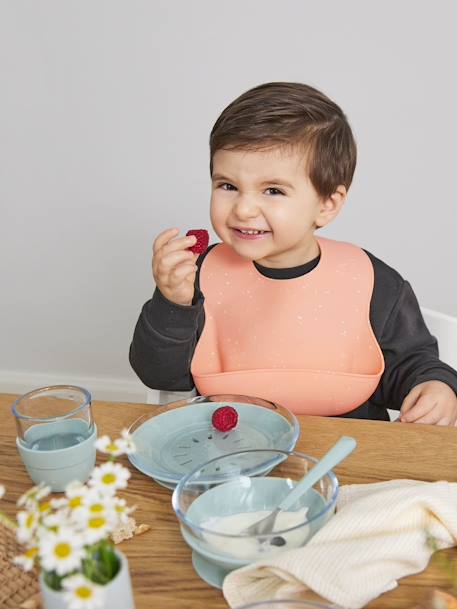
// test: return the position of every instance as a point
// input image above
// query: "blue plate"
(180, 437)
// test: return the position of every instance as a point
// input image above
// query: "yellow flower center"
(109, 478)
(97, 507)
(112, 447)
(31, 552)
(83, 592)
(96, 523)
(75, 502)
(44, 507)
(30, 521)
(62, 550)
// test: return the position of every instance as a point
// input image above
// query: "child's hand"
(433, 402)
(173, 266)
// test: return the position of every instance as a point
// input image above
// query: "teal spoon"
(333, 457)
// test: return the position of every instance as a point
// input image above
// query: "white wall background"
(105, 112)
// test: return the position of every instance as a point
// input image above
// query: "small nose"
(246, 206)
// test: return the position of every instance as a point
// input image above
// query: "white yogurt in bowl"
(253, 548)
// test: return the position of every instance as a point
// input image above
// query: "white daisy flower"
(56, 520)
(27, 525)
(26, 560)
(80, 593)
(120, 446)
(2, 490)
(95, 527)
(58, 503)
(129, 443)
(74, 488)
(104, 444)
(75, 493)
(122, 509)
(44, 507)
(109, 477)
(61, 552)
(94, 504)
(33, 495)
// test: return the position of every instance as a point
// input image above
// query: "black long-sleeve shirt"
(166, 335)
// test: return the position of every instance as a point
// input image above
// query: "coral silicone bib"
(305, 343)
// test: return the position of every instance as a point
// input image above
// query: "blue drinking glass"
(56, 434)
(52, 418)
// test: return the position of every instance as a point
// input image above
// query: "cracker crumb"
(142, 528)
(127, 530)
(124, 530)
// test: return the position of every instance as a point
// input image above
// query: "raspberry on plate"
(224, 418)
(202, 240)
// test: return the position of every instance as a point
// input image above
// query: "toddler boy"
(317, 325)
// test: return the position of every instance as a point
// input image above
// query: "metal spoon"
(335, 455)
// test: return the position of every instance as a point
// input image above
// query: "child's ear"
(331, 207)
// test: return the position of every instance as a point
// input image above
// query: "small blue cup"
(58, 467)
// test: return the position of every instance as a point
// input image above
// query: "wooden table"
(160, 561)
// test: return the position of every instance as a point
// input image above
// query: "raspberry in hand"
(201, 244)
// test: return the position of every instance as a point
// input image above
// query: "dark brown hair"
(290, 114)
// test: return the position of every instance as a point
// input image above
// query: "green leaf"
(103, 564)
(53, 580)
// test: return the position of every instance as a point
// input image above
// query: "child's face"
(268, 192)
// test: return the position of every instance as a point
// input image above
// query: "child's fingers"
(183, 243)
(422, 408)
(440, 414)
(181, 273)
(432, 418)
(163, 238)
(410, 399)
(424, 413)
(432, 403)
(173, 245)
(162, 265)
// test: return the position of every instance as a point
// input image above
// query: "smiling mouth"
(250, 231)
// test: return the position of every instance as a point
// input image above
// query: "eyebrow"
(279, 181)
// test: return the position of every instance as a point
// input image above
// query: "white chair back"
(156, 396)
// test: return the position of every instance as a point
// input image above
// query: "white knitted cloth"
(377, 536)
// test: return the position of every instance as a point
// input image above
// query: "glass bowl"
(174, 439)
(215, 502)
